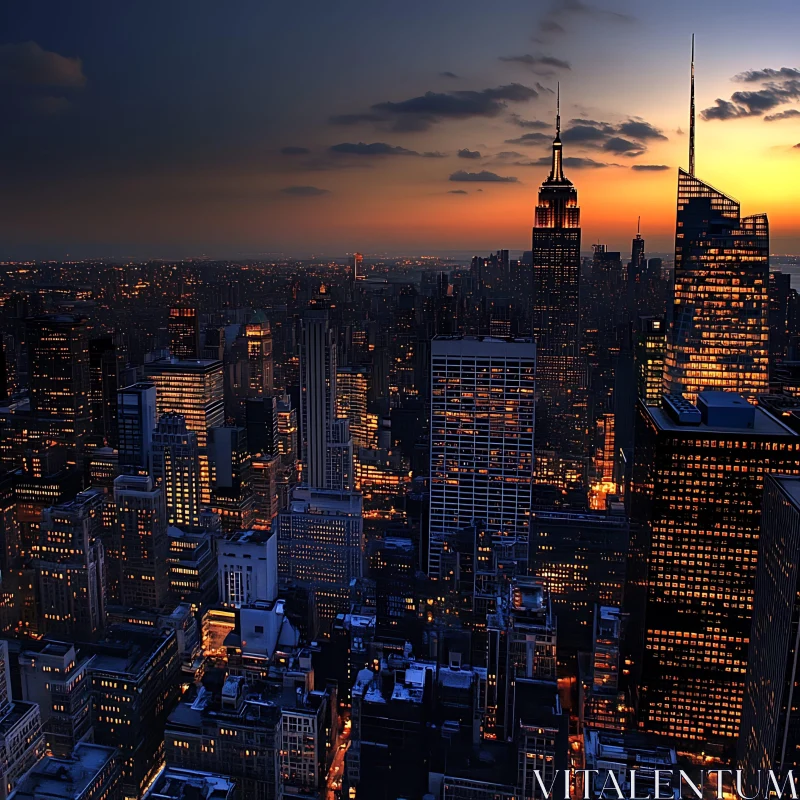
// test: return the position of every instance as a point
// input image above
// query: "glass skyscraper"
(719, 337)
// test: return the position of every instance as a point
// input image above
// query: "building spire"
(639, 225)
(557, 170)
(691, 118)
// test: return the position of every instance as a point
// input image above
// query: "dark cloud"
(28, 64)
(420, 113)
(797, 146)
(295, 151)
(376, 149)
(304, 191)
(448, 74)
(562, 12)
(542, 65)
(788, 114)
(649, 167)
(639, 129)
(584, 133)
(457, 191)
(531, 124)
(433, 154)
(531, 138)
(484, 176)
(779, 86)
(466, 153)
(620, 146)
(354, 119)
(508, 154)
(570, 162)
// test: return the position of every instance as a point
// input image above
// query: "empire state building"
(560, 372)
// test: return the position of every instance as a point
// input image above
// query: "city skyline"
(235, 140)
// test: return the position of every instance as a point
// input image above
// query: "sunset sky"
(192, 127)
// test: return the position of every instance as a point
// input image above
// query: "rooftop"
(179, 784)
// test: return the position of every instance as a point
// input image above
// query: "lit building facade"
(176, 468)
(648, 355)
(696, 509)
(184, 333)
(482, 421)
(352, 387)
(136, 421)
(719, 334)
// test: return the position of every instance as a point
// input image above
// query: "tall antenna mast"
(691, 118)
(558, 108)
(638, 225)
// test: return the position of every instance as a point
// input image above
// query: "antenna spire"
(691, 118)
(558, 108)
(638, 225)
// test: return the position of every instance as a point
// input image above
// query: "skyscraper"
(142, 541)
(184, 333)
(259, 355)
(191, 388)
(719, 333)
(136, 420)
(482, 420)
(648, 355)
(696, 507)
(230, 467)
(58, 365)
(104, 369)
(176, 467)
(555, 311)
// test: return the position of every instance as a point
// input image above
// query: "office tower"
(184, 333)
(56, 678)
(134, 684)
(321, 545)
(191, 388)
(358, 262)
(58, 377)
(142, 541)
(70, 564)
(719, 332)
(264, 481)
(247, 567)
(581, 557)
(261, 421)
(649, 352)
(696, 507)
(287, 430)
(352, 389)
(104, 371)
(214, 344)
(136, 421)
(780, 290)
(324, 437)
(176, 468)
(21, 743)
(89, 772)
(556, 314)
(769, 737)
(193, 567)
(605, 705)
(482, 420)
(5, 678)
(230, 469)
(259, 355)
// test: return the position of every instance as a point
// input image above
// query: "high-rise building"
(104, 372)
(482, 420)
(184, 333)
(648, 355)
(555, 311)
(21, 740)
(247, 568)
(321, 545)
(191, 388)
(70, 564)
(259, 355)
(176, 468)
(605, 705)
(769, 737)
(142, 541)
(719, 331)
(58, 376)
(352, 388)
(696, 507)
(327, 445)
(230, 469)
(261, 421)
(136, 420)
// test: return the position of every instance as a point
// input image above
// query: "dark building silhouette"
(184, 333)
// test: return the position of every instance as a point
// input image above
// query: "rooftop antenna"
(638, 225)
(691, 118)
(558, 109)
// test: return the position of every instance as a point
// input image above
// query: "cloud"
(420, 113)
(584, 133)
(304, 191)
(639, 129)
(508, 154)
(541, 65)
(620, 146)
(649, 167)
(295, 151)
(354, 119)
(788, 114)
(562, 12)
(797, 146)
(779, 86)
(533, 124)
(457, 191)
(569, 162)
(465, 153)
(28, 64)
(377, 149)
(483, 176)
(448, 74)
(531, 138)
